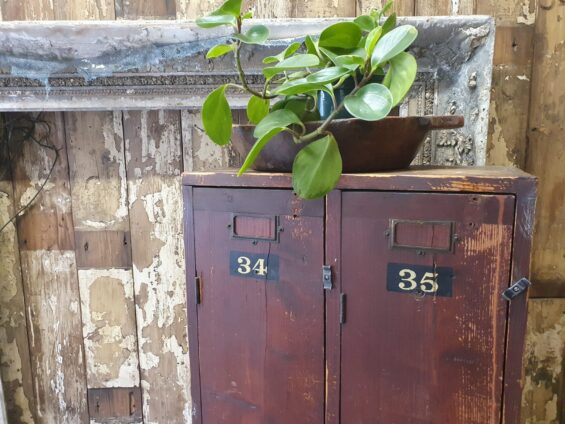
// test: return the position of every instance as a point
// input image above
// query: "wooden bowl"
(365, 146)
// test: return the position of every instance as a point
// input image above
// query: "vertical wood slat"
(100, 214)
(146, 9)
(542, 398)
(546, 148)
(509, 107)
(50, 282)
(15, 363)
(401, 8)
(154, 164)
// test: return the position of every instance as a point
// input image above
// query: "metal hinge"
(197, 290)
(327, 277)
(516, 289)
(342, 307)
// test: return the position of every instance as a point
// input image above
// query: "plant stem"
(322, 128)
(242, 75)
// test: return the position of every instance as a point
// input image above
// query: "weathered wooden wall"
(91, 278)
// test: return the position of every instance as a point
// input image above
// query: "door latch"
(516, 289)
(327, 277)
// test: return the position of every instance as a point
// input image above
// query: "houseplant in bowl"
(361, 66)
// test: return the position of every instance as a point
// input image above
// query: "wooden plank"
(542, 399)
(15, 371)
(400, 7)
(154, 164)
(27, 10)
(100, 213)
(188, 9)
(444, 7)
(146, 9)
(116, 405)
(199, 152)
(546, 148)
(510, 94)
(50, 282)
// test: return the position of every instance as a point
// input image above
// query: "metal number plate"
(419, 279)
(254, 265)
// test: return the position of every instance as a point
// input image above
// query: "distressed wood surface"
(15, 366)
(153, 164)
(101, 221)
(50, 282)
(546, 148)
(148, 9)
(401, 8)
(542, 398)
(509, 108)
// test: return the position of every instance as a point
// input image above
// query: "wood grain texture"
(15, 366)
(509, 108)
(546, 148)
(402, 352)
(50, 281)
(154, 163)
(145, 9)
(261, 343)
(542, 399)
(444, 7)
(401, 8)
(101, 217)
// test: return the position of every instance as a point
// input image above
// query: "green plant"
(358, 50)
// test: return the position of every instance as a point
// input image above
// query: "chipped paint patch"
(108, 318)
(527, 17)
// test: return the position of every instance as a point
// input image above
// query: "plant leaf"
(294, 62)
(350, 62)
(277, 119)
(216, 116)
(391, 44)
(297, 86)
(365, 22)
(403, 68)
(257, 109)
(327, 75)
(343, 35)
(311, 46)
(257, 34)
(219, 50)
(370, 103)
(389, 24)
(317, 168)
(282, 55)
(230, 7)
(212, 21)
(257, 147)
(372, 39)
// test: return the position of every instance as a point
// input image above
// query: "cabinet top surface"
(491, 179)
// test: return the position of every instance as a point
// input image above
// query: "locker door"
(259, 255)
(424, 333)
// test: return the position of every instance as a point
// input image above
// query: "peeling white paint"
(527, 17)
(523, 77)
(160, 289)
(109, 333)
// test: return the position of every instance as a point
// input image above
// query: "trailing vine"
(15, 131)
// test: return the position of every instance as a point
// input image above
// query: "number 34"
(427, 284)
(258, 268)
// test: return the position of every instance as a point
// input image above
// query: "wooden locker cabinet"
(379, 304)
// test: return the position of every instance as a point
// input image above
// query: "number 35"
(428, 282)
